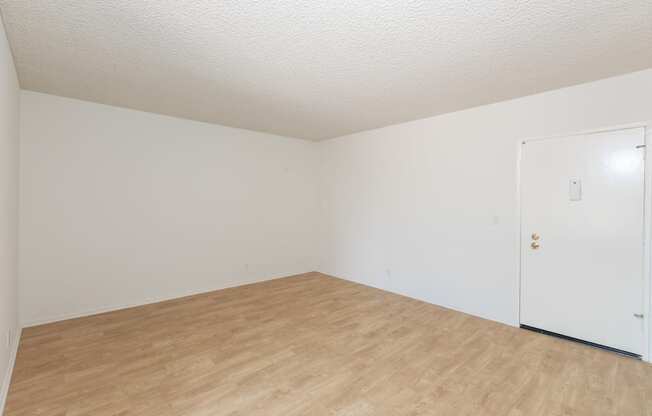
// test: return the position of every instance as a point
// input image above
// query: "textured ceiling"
(322, 68)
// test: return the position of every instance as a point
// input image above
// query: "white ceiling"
(322, 68)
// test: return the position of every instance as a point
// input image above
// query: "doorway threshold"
(581, 341)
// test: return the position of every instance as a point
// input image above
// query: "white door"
(582, 237)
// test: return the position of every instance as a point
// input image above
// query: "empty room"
(325, 208)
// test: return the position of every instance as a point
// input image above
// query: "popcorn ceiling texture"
(320, 69)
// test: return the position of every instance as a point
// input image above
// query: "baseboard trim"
(148, 301)
(455, 308)
(10, 369)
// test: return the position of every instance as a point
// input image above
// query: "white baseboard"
(10, 368)
(110, 308)
(513, 322)
(117, 307)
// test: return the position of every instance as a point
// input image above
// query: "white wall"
(429, 208)
(9, 97)
(120, 207)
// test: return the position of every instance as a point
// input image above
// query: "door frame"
(647, 223)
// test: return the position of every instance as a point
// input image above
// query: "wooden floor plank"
(313, 345)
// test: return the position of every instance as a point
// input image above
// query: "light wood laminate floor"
(313, 345)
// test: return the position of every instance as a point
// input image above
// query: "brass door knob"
(534, 245)
(535, 236)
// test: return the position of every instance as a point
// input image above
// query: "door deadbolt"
(534, 245)
(535, 236)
